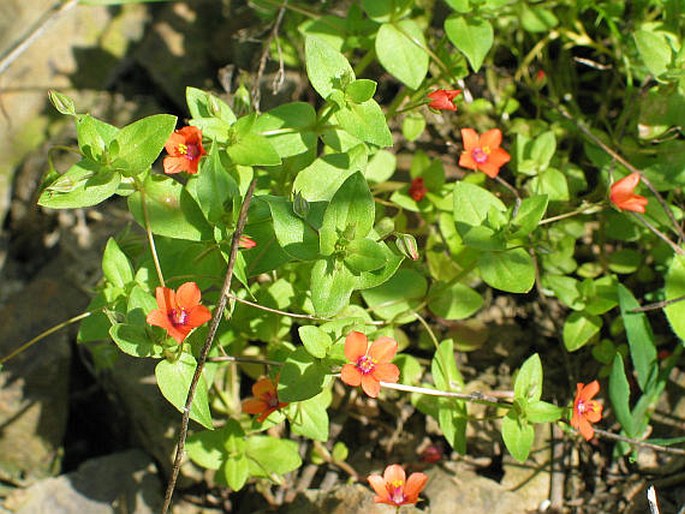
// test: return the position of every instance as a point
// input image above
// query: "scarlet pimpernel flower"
(179, 311)
(185, 149)
(483, 152)
(623, 197)
(586, 410)
(265, 399)
(417, 189)
(246, 242)
(442, 99)
(395, 489)
(369, 365)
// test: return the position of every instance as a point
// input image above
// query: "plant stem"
(677, 249)
(481, 398)
(150, 237)
(637, 442)
(248, 360)
(45, 334)
(211, 334)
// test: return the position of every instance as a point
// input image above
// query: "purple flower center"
(396, 490)
(366, 364)
(179, 317)
(480, 155)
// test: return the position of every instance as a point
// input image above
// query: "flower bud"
(406, 244)
(300, 205)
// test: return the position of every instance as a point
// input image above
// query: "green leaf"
(85, 184)
(359, 91)
(472, 204)
(322, 178)
(673, 290)
(141, 142)
(214, 190)
(316, 341)
(310, 419)
(453, 301)
(331, 286)
(413, 126)
(543, 149)
(327, 68)
(381, 167)
(248, 148)
(536, 19)
(619, 394)
(301, 377)
(364, 254)
(382, 11)
(207, 448)
(400, 47)
(202, 104)
(579, 329)
(366, 122)
(173, 379)
(349, 216)
(272, 456)
(171, 210)
(511, 270)
(94, 137)
(518, 436)
(528, 385)
(472, 36)
(134, 340)
(528, 217)
(654, 49)
(115, 265)
(446, 375)
(290, 128)
(640, 339)
(235, 471)
(452, 414)
(543, 412)
(397, 298)
(295, 235)
(551, 182)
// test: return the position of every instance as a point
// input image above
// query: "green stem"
(150, 237)
(677, 249)
(45, 334)
(483, 399)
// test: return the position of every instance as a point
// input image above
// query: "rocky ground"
(75, 439)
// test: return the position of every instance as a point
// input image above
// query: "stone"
(123, 482)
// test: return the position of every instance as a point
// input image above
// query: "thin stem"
(657, 305)
(428, 329)
(247, 360)
(309, 317)
(513, 191)
(45, 334)
(151, 238)
(211, 334)
(35, 32)
(490, 399)
(677, 249)
(587, 209)
(637, 442)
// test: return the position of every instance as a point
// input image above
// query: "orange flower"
(585, 409)
(417, 189)
(441, 99)
(185, 149)
(393, 487)
(179, 311)
(483, 152)
(265, 399)
(622, 195)
(369, 364)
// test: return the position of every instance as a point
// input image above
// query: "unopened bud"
(406, 244)
(300, 205)
(246, 242)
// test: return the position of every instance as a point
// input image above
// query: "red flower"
(370, 365)
(179, 311)
(483, 152)
(585, 409)
(246, 242)
(393, 487)
(622, 195)
(417, 189)
(441, 99)
(265, 399)
(185, 149)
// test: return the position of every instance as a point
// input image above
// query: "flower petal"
(173, 165)
(378, 484)
(586, 429)
(386, 372)
(198, 315)
(350, 375)
(254, 406)
(188, 295)
(415, 484)
(166, 298)
(489, 168)
(491, 138)
(394, 473)
(370, 386)
(263, 387)
(470, 139)
(590, 390)
(467, 161)
(158, 318)
(383, 349)
(355, 346)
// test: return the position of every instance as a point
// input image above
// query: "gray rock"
(123, 482)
